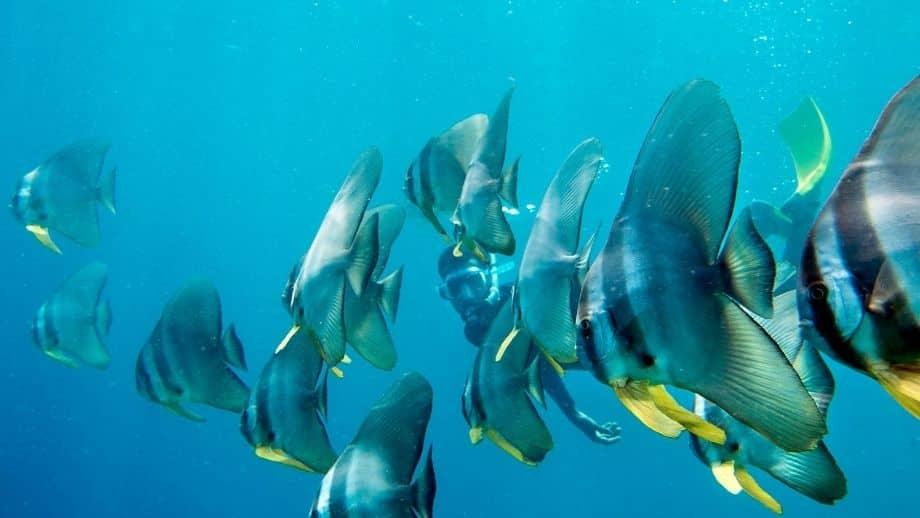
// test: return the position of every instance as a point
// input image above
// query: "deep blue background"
(233, 123)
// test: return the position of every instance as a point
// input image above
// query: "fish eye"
(817, 291)
(585, 327)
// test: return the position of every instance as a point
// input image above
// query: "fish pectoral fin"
(44, 237)
(636, 398)
(696, 425)
(724, 473)
(503, 348)
(902, 382)
(752, 488)
(287, 338)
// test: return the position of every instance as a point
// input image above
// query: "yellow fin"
(337, 372)
(635, 397)
(346, 359)
(43, 237)
(458, 250)
(271, 454)
(692, 422)
(475, 435)
(503, 348)
(724, 473)
(503, 443)
(554, 364)
(287, 338)
(806, 135)
(752, 488)
(902, 382)
(62, 357)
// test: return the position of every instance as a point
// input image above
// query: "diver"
(473, 290)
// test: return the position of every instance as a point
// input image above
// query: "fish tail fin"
(751, 379)
(233, 348)
(770, 220)
(227, 391)
(509, 182)
(902, 381)
(748, 267)
(424, 488)
(103, 318)
(105, 191)
(495, 235)
(816, 376)
(813, 473)
(390, 287)
(808, 138)
(363, 255)
(753, 489)
(584, 257)
(535, 382)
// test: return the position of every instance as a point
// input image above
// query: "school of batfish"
(736, 305)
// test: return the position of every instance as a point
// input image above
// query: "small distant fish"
(666, 302)
(187, 359)
(365, 315)
(71, 324)
(336, 261)
(813, 473)
(498, 399)
(480, 226)
(61, 194)
(552, 267)
(808, 138)
(434, 180)
(859, 279)
(374, 474)
(285, 419)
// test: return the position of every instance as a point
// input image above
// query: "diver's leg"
(606, 433)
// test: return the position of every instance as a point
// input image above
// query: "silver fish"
(434, 180)
(69, 327)
(335, 262)
(61, 194)
(186, 359)
(662, 304)
(373, 475)
(859, 279)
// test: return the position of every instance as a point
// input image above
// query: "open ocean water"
(233, 123)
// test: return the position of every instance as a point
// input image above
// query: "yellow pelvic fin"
(62, 357)
(635, 397)
(43, 237)
(902, 382)
(458, 249)
(475, 435)
(287, 338)
(692, 422)
(503, 443)
(280, 456)
(752, 488)
(503, 348)
(724, 473)
(337, 372)
(346, 359)
(554, 364)
(480, 254)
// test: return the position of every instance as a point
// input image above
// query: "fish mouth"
(618, 382)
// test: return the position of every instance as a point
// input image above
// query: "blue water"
(233, 123)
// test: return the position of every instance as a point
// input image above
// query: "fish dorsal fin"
(363, 255)
(806, 135)
(233, 348)
(83, 289)
(748, 267)
(783, 328)
(80, 162)
(461, 139)
(346, 212)
(394, 429)
(70, 189)
(895, 140)
(687, 170)
(815, 375)
(491, 149)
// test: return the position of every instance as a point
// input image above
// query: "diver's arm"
(607, 433)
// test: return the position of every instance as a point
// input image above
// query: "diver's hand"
(607, 433)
